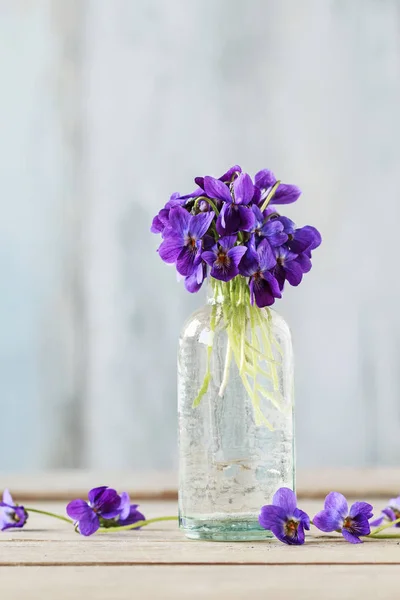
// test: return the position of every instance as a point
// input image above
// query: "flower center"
(348, 523)
(223, 260)
(190, 242)
(396, 512)
(291, 527)
(280, 260)
(15, 518)
(290, 237)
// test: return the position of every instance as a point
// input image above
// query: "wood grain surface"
(48, 560)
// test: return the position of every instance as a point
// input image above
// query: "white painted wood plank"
(212, 582)
(51, 542)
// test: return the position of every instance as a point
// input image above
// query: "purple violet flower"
(337, 517)
(285, 194)
(287, 267)
(272, 229)
(301, 239)
(257, 265)
(104, 502)
(235, 215)
(390, 513)
(11, 515)
(224, 258)
(194, 281)
(128, 512)
(160, 221)
(284, 519)
(182, 239)
(227, 177)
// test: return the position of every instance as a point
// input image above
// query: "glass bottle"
(235, 406)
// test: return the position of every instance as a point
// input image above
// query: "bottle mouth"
(234, 292)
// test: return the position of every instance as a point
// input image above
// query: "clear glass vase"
(235, 404)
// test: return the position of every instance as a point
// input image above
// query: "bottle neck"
(235, 292)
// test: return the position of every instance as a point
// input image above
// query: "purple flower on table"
(128, 512)
(224, 258)
(284, 519)
(285, 193)
(390, 513)
(182, 239)
(257, 264)
(104, 503)
(11, 515)
(271, 229)
(336, 516)
(235, 215)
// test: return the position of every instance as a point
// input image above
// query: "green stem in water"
(137, 524)
(225, 377)
(207, 376)
(270, 196)
(251, 345)
(49, 514)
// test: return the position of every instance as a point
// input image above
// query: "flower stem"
(209, 201)
(386, 536)
(383, 527)
(270, 196)
(207, 376)
(226, 369)
(48, 514)
(137, 524)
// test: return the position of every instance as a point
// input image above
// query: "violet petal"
(336, 501)
(89, 524)
(271, 515)
(179, 220)
(170, 248)
(77, 509)
(361, 508)
(216, 189)
(267, 258)
(200, 224)
(350, 537)
(328, 520)
(286, 499)
(264, 179)
(243, 189)
(286, 194)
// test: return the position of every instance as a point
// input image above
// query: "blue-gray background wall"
(107, 108)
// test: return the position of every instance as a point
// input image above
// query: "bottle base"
(227, 528)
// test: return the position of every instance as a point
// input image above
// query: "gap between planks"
(195, 564)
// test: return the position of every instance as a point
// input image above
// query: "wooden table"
(48, 561)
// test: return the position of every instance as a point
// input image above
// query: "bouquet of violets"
(230, 231)
(230, 227)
